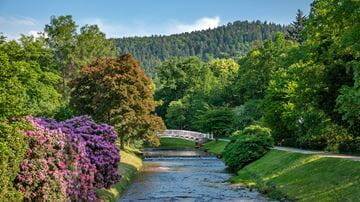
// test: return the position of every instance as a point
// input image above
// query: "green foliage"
(296, 28)
(91, 44)
(216, 120)
(247, 114)
(64, 112)
(175, 115)
(249, 145)
(305, 89)
(116, 91)
(74, 50)
(176, 77)
(233, 39)
(13, 146)
(349, 106)
(257, 68)
(27, 80)
(351, 145)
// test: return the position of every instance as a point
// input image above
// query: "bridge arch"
(198, 137)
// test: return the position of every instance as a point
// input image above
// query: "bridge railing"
(186, 134)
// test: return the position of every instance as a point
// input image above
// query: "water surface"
(191, 177)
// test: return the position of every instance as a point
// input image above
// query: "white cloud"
(35, 33)
(26, 21)
(13, 26)
(140, 28)
(200, 24)
(117, 30)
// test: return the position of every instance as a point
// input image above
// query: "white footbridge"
(188, 135)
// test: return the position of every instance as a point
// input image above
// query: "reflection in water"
(199, 178)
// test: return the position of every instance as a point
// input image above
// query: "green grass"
(176, 143)
(215, 147)
(303, 177)
(129, 166)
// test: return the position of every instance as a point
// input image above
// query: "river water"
(187, 175)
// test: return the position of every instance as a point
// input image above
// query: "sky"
(124, 18)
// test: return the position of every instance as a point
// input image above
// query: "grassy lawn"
(167, 142)
(303, 177)
(215, 147)
(129, 166)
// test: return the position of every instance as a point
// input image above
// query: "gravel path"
(320, 153)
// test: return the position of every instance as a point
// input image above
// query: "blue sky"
(119, 18)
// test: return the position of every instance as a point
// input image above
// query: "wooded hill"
(233, 39)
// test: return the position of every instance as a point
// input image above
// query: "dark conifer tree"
(296, 27)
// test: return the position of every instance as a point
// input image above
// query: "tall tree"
(91, 43)
(61, 37)
(118, 92)
(74, 50)
(294, 31)
(176, 77)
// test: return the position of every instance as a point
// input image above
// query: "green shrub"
(350, 146)
(64, 112)
(12, 149)
(247, 146)
(325, 136)
(248, 113)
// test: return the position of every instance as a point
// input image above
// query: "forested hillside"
(228, 40)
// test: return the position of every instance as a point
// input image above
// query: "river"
(186, 175)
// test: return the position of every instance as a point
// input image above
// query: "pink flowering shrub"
(68, 160)
(43, 172)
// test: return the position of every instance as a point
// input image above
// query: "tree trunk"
(122, 142)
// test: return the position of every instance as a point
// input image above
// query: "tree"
(294, 32)
(74, 50)
(61, 33)
(216, 120)
(91, 44)
(176, 78)
(176, 115)
(257, 68)
(349, 105)
(248, 113)
(118, 92)
(27, 81)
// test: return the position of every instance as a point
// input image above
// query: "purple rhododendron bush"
(68, 160)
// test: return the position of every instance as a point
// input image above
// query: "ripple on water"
(186, 179)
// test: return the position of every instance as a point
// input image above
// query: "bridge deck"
(189, 135)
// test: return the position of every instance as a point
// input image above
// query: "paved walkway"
(320, 153)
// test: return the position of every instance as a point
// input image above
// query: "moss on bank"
(129, 166)
(303, 177)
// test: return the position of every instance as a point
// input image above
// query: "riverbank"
(303, 177)
(215, 147)
(299, 176)
(129, 167)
